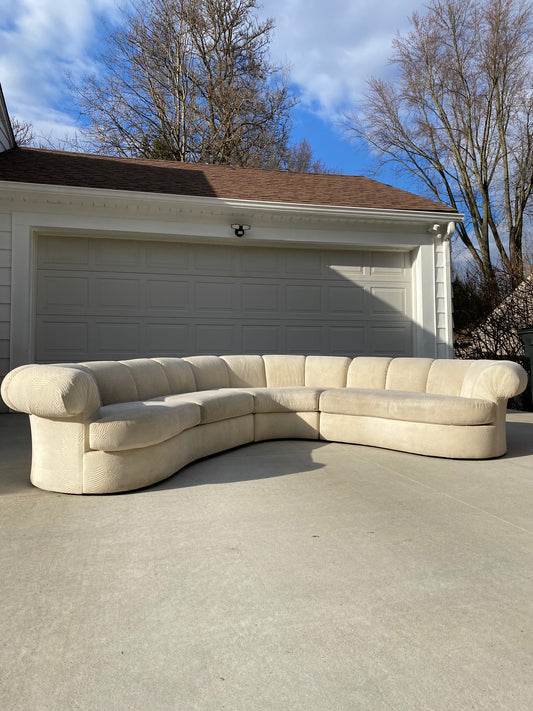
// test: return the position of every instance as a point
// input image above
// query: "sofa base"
(109, 472)
(114, 472)
(449, 441)
(286, 425)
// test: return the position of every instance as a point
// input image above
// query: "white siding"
(5, 295)
(5, 142)
(6, 134)
(443, 299)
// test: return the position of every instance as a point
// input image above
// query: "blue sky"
(331, 46)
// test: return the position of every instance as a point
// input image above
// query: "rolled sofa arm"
(494, 380)
(51, 391)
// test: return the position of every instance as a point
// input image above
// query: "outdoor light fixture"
(240, 229)
(444, 232)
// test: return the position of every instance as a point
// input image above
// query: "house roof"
(50, 167)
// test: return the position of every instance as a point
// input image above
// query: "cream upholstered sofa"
(109, 426)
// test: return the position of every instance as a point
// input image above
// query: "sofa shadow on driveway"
(261, 460)
(275, 458)
(15, 454)
(519, 439)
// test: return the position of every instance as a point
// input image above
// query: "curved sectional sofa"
(110, 426)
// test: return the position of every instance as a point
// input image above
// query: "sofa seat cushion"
(133, 425)
(216, 405)
(286, 399)
(408, 406)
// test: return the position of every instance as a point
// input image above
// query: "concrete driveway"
(288, 575)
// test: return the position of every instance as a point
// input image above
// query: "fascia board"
(224, 205)
(4, 117)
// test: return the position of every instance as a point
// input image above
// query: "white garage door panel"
(100, 298)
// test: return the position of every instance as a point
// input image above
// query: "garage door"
(116, 299)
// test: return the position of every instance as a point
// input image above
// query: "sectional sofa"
(110, 426)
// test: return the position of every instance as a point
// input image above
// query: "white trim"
(448, 344)
(424, 317)
(358, 214)
(209, 228)
(22, 293)
(7, 137)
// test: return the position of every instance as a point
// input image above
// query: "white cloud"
(40, 41)
(332, 46)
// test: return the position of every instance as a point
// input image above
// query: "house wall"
(5, 294)
(443, 299)
(5, 142)
(6, 133)
(38, 211)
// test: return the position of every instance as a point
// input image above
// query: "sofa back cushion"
(422, 375)
(149, 376)
(114, 379)
(210, 372)
(246, 371)
(446, 377)
(368, 372)
(284, 370)
(409, 374)
(326, 371)
(146, 378)
(179, 375)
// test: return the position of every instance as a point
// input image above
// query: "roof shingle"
(49, 167)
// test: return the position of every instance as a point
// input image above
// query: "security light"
(240, 229)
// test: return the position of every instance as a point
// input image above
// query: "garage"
(107, 298)
(104, 257)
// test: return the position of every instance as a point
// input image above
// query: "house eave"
(33, 196)
(6, 121)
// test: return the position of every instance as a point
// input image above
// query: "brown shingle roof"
(34, 165)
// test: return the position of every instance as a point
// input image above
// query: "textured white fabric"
(408, 374)
(326, 371)
(133, 425)
(179, 375)
(58, 451)
(246, 371)
(108, 472)
(446, 376)
(50, 391)
(286, 425)
(216, 405)
(114, 379)
(367, 372)
(283, 371)
(451, 441)
(201, 405)
(412, 407)
(150, 378)
(286, 399)
(494, 380)
(210, 372)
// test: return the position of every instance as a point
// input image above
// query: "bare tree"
(459, 118)
(189, 80)
(300, 159)
(23, 132)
